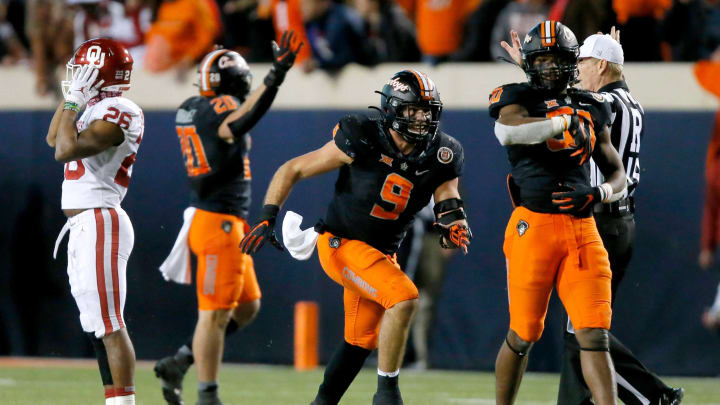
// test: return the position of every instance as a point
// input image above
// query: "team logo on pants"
(522, 226)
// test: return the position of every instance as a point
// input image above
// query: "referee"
(600, 67)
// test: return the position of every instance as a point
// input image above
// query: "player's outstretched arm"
(450, 217)
(258, 103)
(317, 162)
(514, 126)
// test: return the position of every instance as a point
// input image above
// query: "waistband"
(624, 206)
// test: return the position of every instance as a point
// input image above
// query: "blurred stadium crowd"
(174, 34)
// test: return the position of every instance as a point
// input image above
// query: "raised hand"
(83, 86)
(283, 58)
(514, 50)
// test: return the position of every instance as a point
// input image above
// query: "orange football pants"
(543, 250)
(373, 282)
(225, 276)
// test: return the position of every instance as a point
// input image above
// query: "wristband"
(606, 191)
(69, 105)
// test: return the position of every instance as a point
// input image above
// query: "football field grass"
(65, 382)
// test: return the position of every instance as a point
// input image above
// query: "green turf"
(270, 385)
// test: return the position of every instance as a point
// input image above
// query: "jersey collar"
(620, 84)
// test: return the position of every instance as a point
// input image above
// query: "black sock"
(388, 384)
(344, 365)
(184, 355)
(102, 358)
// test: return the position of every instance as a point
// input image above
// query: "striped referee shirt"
(626, 130)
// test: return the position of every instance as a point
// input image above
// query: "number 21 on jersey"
(396, 191)
(192, 149)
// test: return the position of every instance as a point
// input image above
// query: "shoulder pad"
(515, 93)
(599, 105)
(450, 154)
(354, 134)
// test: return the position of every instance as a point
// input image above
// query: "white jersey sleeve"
(101, 181)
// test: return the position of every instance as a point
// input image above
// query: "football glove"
(456, 236)
(576, 197)
(262, 231)
(283, 58)
(83, 86)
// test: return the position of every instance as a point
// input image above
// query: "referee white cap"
(601, 46)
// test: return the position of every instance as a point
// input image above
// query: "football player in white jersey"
(98, 151)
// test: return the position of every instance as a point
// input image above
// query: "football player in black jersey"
(550, 131)
(600, 70)
(389, 169)
(213, 130)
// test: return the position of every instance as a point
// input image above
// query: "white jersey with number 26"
(101, 181)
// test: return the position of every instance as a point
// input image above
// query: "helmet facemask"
(415, 122)
(70, 69)
(554, 75)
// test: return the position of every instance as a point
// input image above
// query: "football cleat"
(673, 396)
(171, 376)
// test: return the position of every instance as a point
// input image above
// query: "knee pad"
(101, 355)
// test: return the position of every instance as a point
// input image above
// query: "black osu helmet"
(224, 72)
(411, 88)
(551, 37)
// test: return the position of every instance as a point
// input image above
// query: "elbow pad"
(531, 133)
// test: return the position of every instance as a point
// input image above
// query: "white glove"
(82, 88)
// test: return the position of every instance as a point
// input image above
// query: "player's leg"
(121, 358)
(119, 347)
(171, 369)
(100, 244)
(362, 320)
(584, 286)
(104, 367)
(532, 255)
(208, 345)
(378, 280)
(214, 238)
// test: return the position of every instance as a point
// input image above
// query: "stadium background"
(659, 303)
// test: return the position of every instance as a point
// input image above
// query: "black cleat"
(171, 376)
(387, 398)
(673, 396)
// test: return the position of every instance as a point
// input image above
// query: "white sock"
(389, 374)
(125, 400)
(110, 401)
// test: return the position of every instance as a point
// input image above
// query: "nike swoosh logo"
(420, 173)
(581, 103)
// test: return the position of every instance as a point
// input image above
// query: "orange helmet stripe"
(426, 84)
(205, 65)
(548, 35)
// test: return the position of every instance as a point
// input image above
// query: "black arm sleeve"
(242, 125)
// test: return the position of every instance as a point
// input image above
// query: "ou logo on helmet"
(95, 56)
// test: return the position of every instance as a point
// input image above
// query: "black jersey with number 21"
(219, 171)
